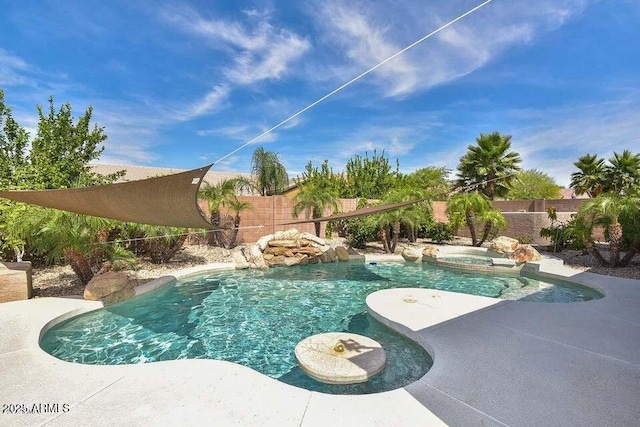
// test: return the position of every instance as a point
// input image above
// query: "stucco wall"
(525, 217)
(269, 211)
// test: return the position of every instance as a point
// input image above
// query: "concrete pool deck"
(496, 362)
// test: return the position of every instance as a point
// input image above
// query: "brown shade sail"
(358, 212)
(169, 200)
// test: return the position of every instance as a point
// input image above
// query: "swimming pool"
(255, 318)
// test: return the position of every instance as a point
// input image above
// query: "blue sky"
(182, 85)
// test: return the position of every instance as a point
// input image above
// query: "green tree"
(606, 210)
(533, 184)
(489, 166)
(269, 173)
(591, 175)
(431, 179)
(223, 195)
(78, 239)
(237, 206)
(13, 143)
(217, 197)
(410, 217)
(315, 200)
(622, 175)
(318, 190)
(61, 151)
(472, 208)
(367, 177)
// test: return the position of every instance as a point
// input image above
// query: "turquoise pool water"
(256, 318)
(467, 260)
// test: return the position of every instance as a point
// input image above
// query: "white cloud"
(211, 102)
(13, 70)
(258, 52)
(369, 32)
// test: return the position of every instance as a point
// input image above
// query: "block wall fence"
(525, 217)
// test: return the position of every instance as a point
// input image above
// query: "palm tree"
(606, 210)
(494, 221)
(490, 165)
(315, 200)
(590, 178)
(269, 173)
(58, 235)
(217, 196)
(466, 208)
(623, 173)
(237, 206)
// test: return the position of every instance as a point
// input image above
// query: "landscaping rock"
(430, 250)
(276, 261)
(328, 256)
(109, 287)
(312, 237)
(412, 254)
(289, 243)
(240, 260)
(15, 281)
(276, 251)
(291, 261)
(503, 245)
(256, 260)
(292, 233)
(525, 253)
(342, 253)
(311, 251)
(263, 242)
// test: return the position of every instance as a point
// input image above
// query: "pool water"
(467, 260)
(256, 318)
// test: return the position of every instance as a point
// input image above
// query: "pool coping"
(175, 392)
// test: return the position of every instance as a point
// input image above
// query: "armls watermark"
(35, 408)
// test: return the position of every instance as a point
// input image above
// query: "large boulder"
(503, 245)
(312, 237)
(289, 243)
(15, 281)
(109, 287)
(296, 260)
(430, 250)
(256, 260)
(240, 260)
(525, 253)
(328, 256)
(276, 251)
(342, 253)
(292, 233)
(274, 261)
(412, 254)
(310, 251)
(263, 242)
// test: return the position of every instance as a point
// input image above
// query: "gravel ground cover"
(61, 281)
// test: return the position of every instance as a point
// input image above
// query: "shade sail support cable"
(355, 79)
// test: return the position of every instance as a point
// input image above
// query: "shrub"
(563, 235)
(438, 232)
(360, 231)
(524, 240)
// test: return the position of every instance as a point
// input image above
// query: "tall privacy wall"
(269, 211)
(525, 217)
